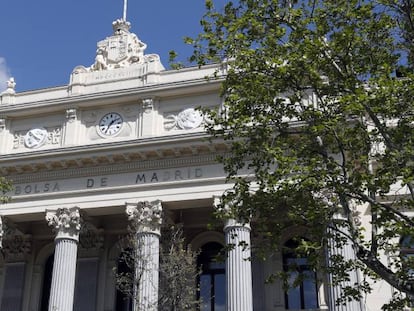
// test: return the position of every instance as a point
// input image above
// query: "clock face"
(110, 124)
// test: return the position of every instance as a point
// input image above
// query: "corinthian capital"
(146, 216)
(65, 221)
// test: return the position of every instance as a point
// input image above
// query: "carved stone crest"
(35, 138)
(121, 49)
(187, 119)
(117, 48)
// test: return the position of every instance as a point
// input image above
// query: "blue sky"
(43, 40)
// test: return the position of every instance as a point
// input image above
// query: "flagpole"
(125, 10)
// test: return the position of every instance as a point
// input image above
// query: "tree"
(318, 114)
(178, 271)
(5, 187)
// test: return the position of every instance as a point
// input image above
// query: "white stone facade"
(122, 133)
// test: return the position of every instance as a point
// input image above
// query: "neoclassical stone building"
(122, 142)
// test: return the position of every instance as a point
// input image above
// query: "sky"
(43, 40)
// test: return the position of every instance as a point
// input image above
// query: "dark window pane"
(302, 293)
(212, 280)
(309, 290)
(293, 294)
(205, 292)
(220, 291)
(123, 301)
(47, 282)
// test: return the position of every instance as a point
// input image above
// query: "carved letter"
(178, 175)
(198, 172)
(154, 177)
(89, 183)
(56, 187)
(140, 178)
(104, 182)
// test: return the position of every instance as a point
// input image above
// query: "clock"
(110, 124)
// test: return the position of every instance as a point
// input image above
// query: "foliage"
(319, 117)
(5, 186)
(178, 271)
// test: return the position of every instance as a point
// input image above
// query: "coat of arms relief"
(122, 49)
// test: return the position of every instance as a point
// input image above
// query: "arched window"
(47, 283)
(212, 282)
(302, 292)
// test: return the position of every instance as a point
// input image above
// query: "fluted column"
(348, 254)
(66, 223)
(146, 218)
(239, 295)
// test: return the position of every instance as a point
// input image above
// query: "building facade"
(123, 142)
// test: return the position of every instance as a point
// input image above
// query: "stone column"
(238, 267)
(66, 223)
(146, 219)
(348, 253)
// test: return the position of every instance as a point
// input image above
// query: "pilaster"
(5, 136)
(148, 117)
(72, 127)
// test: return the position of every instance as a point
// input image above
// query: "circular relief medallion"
(189, 119)
(35, 138)
(110, 124)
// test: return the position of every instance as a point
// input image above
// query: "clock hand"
(110, 124)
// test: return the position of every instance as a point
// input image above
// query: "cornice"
(110, 97)
(132, 145)
(103, 159)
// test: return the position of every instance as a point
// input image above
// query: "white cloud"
(4, 74)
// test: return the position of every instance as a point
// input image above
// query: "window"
(47, 282)
(407, 253)
(407, 259)
(212, 282)
(123, 300)
(14, 275)
(302, 292)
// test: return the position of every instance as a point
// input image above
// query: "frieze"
(201, 160)
(37, 137)
(138, 178)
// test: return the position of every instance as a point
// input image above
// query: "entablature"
(60, 161)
